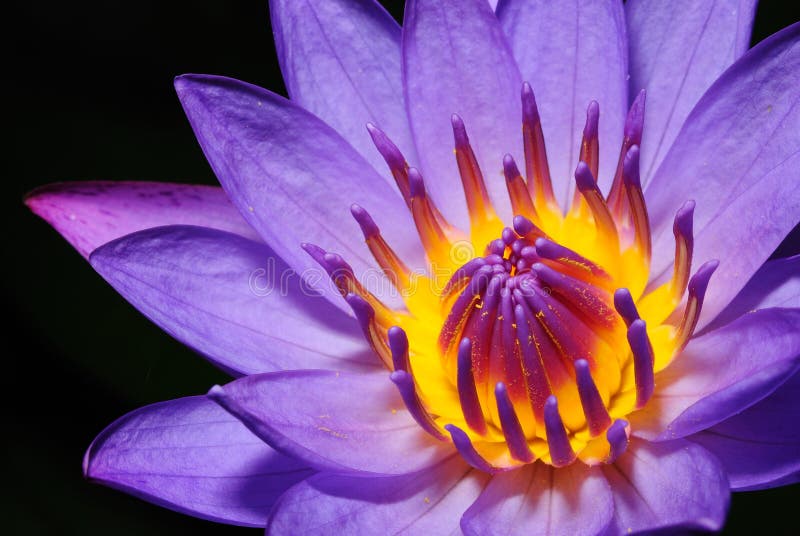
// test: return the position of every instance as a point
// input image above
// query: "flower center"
(535, 341)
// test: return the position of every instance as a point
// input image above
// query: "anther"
(391, 265)
(593, 408)
(617, 436)
(394, 159)
(521, 202)
(694, 303)
(512, 429)
(478, 203)
(643, 361)
(537, 171)
(398, 344)
(467, 391)
(561, 453)
(634, 126)
(594, 199)
(405, 384)
(625, 306)
(636, 203)
(464, 447)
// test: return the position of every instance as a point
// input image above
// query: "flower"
(578, 372)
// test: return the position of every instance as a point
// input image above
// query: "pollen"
(534, 339)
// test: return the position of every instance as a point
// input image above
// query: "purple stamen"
(512, 429)
(365, 221)
(596, 414)
(617, 437)
(364, 312)
(405, 384)
(415, 184)
(561, 452)
(464, 447)
(393, 157)
(634, 121)
(463, 305)
(587, 185)
(467, 390)
(537, 170)
(642, 362)
(698, 285)
(682, 228)
(398, 344)
(538, 388)
(623, 302)
(547, 249)
(584, 297)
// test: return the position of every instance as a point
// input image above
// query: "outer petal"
(736, 158)
(340, 422)
(429, 502)
(341, 61)
(677, 50)
(674, 484)
(456, 60)
(293, 177)
(761, 445)
(231, 299)
(776, 284)
(722, 373)
(89, 214)
(189, 455)
(540, 500)
(572, 52)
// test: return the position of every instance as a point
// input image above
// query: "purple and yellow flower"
(531, 296)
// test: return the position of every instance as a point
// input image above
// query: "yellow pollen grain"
(334, 433)
(427, 500)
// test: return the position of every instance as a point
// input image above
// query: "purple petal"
(294, 178)
(735, 157)
(721, 373)
(541, 500)
(341, 61)
(572, 53)
(677, 50)
(760, 446)
(775, 284)
(672, 484)
(456, 61)
(89, 214)
(191, 456)
(429, 502)
(231, 299)
(341, 422)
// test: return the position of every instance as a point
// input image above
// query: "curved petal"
(572, 52)
(456, 60)
(89, 214)
(677, 50)
(735, 157)
(540, 500)
(429, 502)
(191, 456)
(672, 484)
(776, 284)
(340, 422)
(721, 373)
(231, 299)
(294, 178)
(761, 445)
(341, 61)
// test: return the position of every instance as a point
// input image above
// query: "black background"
(88, 96)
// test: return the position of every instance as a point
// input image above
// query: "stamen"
(521, 203)
(479, 205)
(597, 205)
(462, 307)
(634, 126)
(405, 384)
(684, 247)
(526, 229)
(590, 301)
(694, 303)
(617, 436)
(464, 447)
(590, 150)
(384, 255)
(365, 315)
(561, 452)
(394, 159)
(572, 264)
(467, 391)
(431, 232)
(593, 407)
(398, 344)
(623, 302)
(512, 429)
(636, 203)
(537, 171)
(643, 362)
(538, 388)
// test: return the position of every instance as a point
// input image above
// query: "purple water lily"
(442, 322)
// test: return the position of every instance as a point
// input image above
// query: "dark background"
(88, 96)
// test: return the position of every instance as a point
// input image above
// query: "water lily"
(496, 272)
